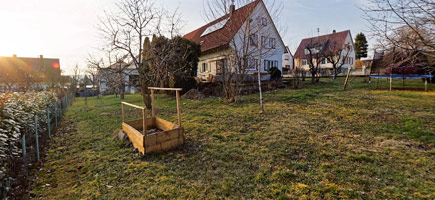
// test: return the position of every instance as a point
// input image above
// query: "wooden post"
(153, 111)
(347, 78)
(144, 123)
(178, 107)
(123, 112)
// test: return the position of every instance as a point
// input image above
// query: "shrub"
(17, 111)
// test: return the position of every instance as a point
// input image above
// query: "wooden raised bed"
(168, 135)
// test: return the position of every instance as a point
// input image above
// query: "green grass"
(315, 143)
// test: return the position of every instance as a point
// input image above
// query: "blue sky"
(66, 29)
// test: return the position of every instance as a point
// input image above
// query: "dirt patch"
(193, 94)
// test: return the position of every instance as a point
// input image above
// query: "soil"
(193, 94)
(152, 131)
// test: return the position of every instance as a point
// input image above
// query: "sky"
(67, 29)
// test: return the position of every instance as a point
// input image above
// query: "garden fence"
(44, 124)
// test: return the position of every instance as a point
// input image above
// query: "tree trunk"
(313, 77)
(335, 73)
(146, 96)
(121, 86)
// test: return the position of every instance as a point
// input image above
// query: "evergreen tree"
(361, 46)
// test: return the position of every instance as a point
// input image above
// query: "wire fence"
(34, 143)
(45, 123)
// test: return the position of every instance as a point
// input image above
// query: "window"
(264, 41)
(220, 64)
(264, 21)
(304, 62)
(272, 43)
(204, 67)
(215, 27)
(269, 64)
(324, 61)
(252, 64)
(286, 57)
(253, 40)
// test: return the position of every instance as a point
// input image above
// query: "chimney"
(334, 31)
(232, 7)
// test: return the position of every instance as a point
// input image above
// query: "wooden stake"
(178, 107)
(347, 78)
(123, 112)
(153, 111)
(144, 122)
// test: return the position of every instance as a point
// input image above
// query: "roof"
(325, 41)
(28, 64)
(224, 35)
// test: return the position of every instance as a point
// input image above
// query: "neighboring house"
(32, 73)
(109, 79)
(287, 62)
(341, 43)
(219, 38)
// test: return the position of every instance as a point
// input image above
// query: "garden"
(319, 142)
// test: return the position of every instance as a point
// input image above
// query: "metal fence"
(45, 122)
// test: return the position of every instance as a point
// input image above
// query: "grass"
(315, 143)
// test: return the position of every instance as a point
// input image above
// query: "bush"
(17, 113)
(275, 73)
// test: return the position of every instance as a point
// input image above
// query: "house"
(232, 40)
(25, 72)
(109, 78)
(339, 44)
(287, 61)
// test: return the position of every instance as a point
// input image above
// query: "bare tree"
(388, 18)
(336, 54)
(126, 29)
(313, 50)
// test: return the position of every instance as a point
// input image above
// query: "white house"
(287, 61)
(109, 78)
(239, 31)
(340, 43)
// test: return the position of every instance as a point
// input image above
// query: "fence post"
(36, 136)
(48, 122)
(55, 112)
(24, 145)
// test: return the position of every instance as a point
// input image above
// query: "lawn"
(318, 142)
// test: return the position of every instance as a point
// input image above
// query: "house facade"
(287, 62)
(239, 38)
(339, 43)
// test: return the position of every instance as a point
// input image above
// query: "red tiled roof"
(324, 40)
(222, 36)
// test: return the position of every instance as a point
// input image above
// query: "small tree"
(336, 54)
(361, 46)
(313, 50)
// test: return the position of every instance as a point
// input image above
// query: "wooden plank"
(178, 108)
(137, 124)
(135, 137)
(164, 125)
(167, 89)
(134, 106)
(151, 140)
(153, 111)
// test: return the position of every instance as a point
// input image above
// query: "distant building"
(110, 80)
(22, 73)
(287, 62)
(336, 40)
